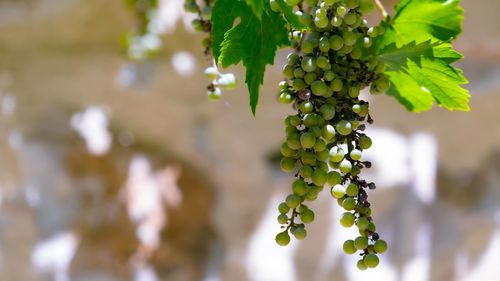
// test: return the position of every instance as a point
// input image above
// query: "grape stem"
(380, 8)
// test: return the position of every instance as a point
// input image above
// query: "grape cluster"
(324, 143)
(203, 24)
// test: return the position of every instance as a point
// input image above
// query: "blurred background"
(115, 169)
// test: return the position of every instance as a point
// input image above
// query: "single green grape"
(282, 219)
(283, 208)
(347, 220)
(380, 246)
(363, 223)
(307, 216)
(300, 233)
(338, 191)
(288, 164)
(352, 190)
(293, 201)
(361, 265)
(335, 178)
(348, 247)
(349, 204)
(345, 166)
(371, 260)
(344, 127)
(365, 142)
(355, 154)
(299, 187)
(283, 238)
(307, 140)
(319, 177)
(360, 243)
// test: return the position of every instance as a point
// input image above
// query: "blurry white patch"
(92, 125)
(169, 13)
(8, 105)
(419, 268)
(487, 267)
(127, 75)
(265, 260)
(389, 154)
(15, 140)
(145, 273)
(424, 166)
(147, 193)
(184, 63)
(55, 254)
(32, 195)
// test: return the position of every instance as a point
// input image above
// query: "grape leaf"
(418, 56)
(257, 6)
(253, 41)
(290, 16)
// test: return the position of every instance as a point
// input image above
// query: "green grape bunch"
(330, 65)
(203, 24)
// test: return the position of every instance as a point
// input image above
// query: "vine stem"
(381, 8)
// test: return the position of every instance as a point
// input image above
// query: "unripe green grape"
(363, 110)
(287, 151)
(307, 47)
(293, 58)
(380, 246)
(283, 208)
(367, 42)
(356, 54)
(350, 18)
(324, 44)
(319, 177)
(366, 6)
(348, 247)
(319, 88)
(345, 166)
(336, 42)
(306, 107)
(320, 145)
(371, 260)
(380, 68)
(334, 178)
(322, 62)
(320, 22)
(321, 12)
(327, 111)
(293, 201)
(341, 11)
(299, 187)
(355, 171)
(329, 75)
(336, 85)
(282, 219)
(300, 233)
(349, 204)
(311, 195)
(344, 127)
(294, 120)
(283, 85)
(352, 190)
(317, 130)
(361, 265)
(310, 120)
(306, 171)
(310, 77)
(338, 191)
(371, 227)
(345, 50)
(293, 141)
(299, 72)
(372, 32)
(336, 21)
(352, 4)
(363, 223)
(329, 2)
(360, 243)
(212, 73)
(307, 140)
(288, 71)
(283, 238)
(288, 164)
(299, 84)
(355, 154)
(291, 130)
(382, 84)
(323, 155)
(307, 216)
(292, 2)
(285, 98)
(308, 158)
(328, 132)
(214, 94)
(308, 64)
(336, 154)
(354, 91)
(356, 108)
(349, 37)
(365, 142)
(347, 220)
(322, 165)
(197, 25)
